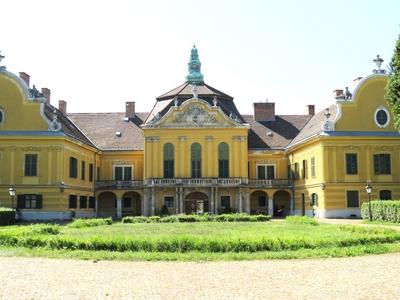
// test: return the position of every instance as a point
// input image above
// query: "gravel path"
(366, 277)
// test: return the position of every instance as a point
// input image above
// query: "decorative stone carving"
(195, 116)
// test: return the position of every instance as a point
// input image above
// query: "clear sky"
(98, 54)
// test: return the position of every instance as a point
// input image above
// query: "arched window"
(168, 160)
(385, 195)
(196, 160)
(223, 160)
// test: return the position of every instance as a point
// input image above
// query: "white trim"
(265, 165)
(339, 213)
(3, 116)
(379, 108)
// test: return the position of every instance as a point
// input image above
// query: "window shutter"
(20, 201)
(39, 201)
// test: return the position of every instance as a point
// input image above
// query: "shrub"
(301, 220)
(45, 229)
(138, 219)
(187, 218)
(262, 218)
(154, 219)
(7, 216)
(81, 223)
(164, 211)
(388, 210)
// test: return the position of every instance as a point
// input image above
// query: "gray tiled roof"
(269, 135)
(101, 129)
(67, 126)
(314, 126)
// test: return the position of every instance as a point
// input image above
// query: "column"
(146, 202)
(216, 206)
(239, 201)
(247, 202)
(119, 208)
(176, 200)
(181, 206)
(96, 207)
(270, 207)
(212, 200)
(153, 201)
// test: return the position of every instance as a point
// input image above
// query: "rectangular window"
(352, 199)
(31, 164)
(196, 168)
(351, 164)
(127, 202)
(168, 169)
(123, 173)
(265, 171)
(304, 174)
(73, 167)
(29, 201)
(83, 202)
(92, 203)
(72, 201)
(90, 172)
(296, 171)
(169, 201)
(382, 164)
(83, 170)
(226, 202)
(223, 168)
(312, 160)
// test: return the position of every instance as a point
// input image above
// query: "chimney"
(311, 109)
(264, 111)
(130, 109)
(62, 106)
(46, 93)
(338, 94)
(25, 77)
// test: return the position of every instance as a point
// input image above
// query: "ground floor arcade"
(188, 200)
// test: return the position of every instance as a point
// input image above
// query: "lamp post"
(368, 188)
(12, 191)
(62, 186)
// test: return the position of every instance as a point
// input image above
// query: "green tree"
(393, 86)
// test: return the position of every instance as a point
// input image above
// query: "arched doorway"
(281, 203)
(107, 205)
(196, 202)
(259, 202)
(131, 204)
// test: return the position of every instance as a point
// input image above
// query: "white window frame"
(381, 107)
(123, 171)
(266, 165)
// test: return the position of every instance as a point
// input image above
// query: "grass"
(197, 241)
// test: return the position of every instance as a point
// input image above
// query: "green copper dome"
(194, 67)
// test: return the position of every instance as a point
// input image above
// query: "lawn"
(197, 241)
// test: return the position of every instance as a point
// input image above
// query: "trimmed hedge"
(387, 210)
(198, 218)
(7, 216)
(81, 223)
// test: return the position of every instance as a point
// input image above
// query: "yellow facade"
(308, 175)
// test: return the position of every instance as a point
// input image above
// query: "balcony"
(195, 182)
(270, 183)
(191, 182)
(117, 184)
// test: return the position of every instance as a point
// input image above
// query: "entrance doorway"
(196, 203)
(259, 202)
(281, 204)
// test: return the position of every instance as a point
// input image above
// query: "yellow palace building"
(194, 153)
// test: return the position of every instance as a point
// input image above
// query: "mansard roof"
(103, 129)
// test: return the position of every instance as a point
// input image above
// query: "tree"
(393, 85)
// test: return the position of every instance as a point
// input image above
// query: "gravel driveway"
(367, 277)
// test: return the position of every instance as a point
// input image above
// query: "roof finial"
(194, 67)
(1, 58)
(378, 61)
